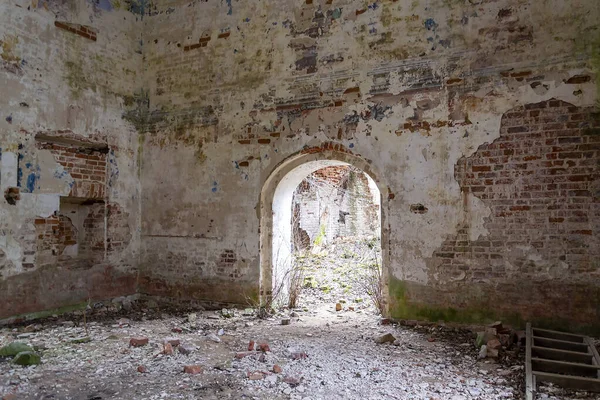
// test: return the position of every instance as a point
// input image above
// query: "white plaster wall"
(60, 84)
(452, 65)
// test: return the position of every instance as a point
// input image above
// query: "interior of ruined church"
(300, 199)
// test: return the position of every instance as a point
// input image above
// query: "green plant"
(321, 236)
(310, 282)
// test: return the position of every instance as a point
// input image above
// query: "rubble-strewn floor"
(343, 361)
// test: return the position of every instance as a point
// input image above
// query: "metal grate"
(568, 360)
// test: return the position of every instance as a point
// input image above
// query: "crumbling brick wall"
(68, 206)
(408, 90)
(333, 202)
(217, 103)
(541, 181)
(5, 263)
(86, 165)
(79, 234)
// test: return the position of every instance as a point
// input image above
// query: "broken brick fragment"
(167, 349)
(192, 369)
(264, 347)
(494, 344)
(138, 341)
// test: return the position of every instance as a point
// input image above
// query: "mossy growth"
(47, 313)
(401, 307)
(14, 348)
(321, 236)
(253, 295)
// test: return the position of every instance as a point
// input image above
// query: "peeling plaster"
(221, 93)
(65, 87)
(412, 88)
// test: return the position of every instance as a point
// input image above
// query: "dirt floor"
(323, 354)
(320, 354)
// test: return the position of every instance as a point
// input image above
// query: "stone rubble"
(386, 338)
(320, 356)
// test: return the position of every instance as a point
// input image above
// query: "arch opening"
(279, 242)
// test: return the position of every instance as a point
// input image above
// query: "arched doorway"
(276, 214)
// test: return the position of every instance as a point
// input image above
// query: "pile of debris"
(495, 338)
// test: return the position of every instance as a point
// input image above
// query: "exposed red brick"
(86, 166)
(452, 81)
(520, 74)
(578, 79)
(167, 349)
(264, 347)
(537, 179)
(81, 30)
(193, 46)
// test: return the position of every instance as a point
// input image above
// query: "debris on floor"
(319, 356)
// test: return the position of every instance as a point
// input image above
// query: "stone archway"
(276, 210)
